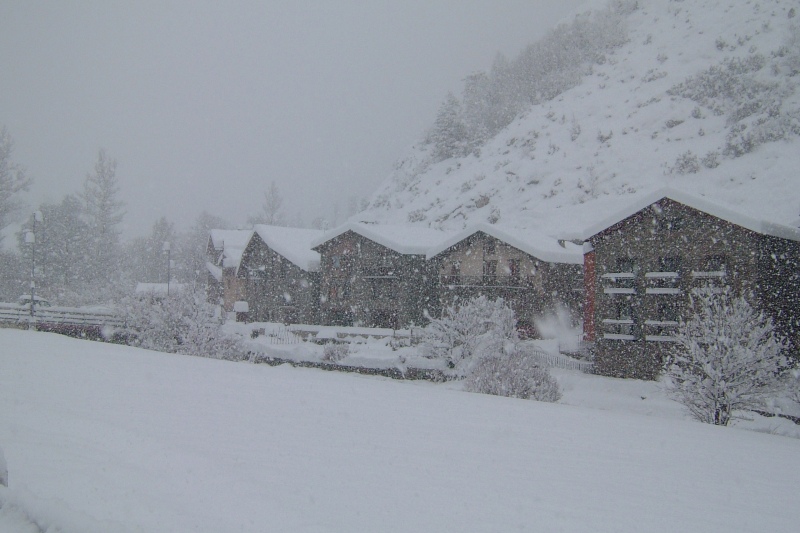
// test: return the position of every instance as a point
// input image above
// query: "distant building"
(377, 275)
(158, 290)
(534, 274)
(280, 273)
(641, 264)
(223, 255)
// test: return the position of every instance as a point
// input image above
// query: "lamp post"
(30, 238)
(167, 248)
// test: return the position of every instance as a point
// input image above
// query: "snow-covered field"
(105, 438)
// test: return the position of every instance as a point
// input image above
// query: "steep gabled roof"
(292, 243)
(214, 270)
(542, 247)
(402, 239)
(229, 245)
(764, 227)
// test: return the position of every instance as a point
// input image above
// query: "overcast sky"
(204, 103)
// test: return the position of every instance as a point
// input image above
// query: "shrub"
(182, 323)
(686, 163)
(335, 352)
(517, 374)
(727, 358)
(467, 329)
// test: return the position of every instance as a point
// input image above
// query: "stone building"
(641, 264)
(280, 272)
(534, 274)
(377, 275)
(223, 254)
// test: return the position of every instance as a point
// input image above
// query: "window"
(623, 311)
(513, 268)
(336, 261)
(490, 268)
(669, 263)
(714, 263)
(668, 311)
(454, 278)
(489, 247)
(627, 264)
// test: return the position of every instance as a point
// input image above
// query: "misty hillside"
(697, 95)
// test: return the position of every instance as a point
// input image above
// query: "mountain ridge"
(701, 97)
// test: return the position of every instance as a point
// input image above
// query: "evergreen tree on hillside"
(449, 133)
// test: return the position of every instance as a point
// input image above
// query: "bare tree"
(12, 181)
(271, 210)
(727, 358)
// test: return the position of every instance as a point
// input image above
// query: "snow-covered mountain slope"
(702, 97)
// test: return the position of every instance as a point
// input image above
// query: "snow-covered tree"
(516, 374)
(469, 330)
(181, 323)
(192, 248)
(271, 210)
(145, 256)
(12, 181)
(449, 133)
(104, 214)
(727, 358)
(61, 249)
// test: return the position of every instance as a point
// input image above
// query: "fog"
(204, 104)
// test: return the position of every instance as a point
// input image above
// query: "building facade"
(223, 254)
(641, 266)
(533, 274)
(280, 274)
(377, 276)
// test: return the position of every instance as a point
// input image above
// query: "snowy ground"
(105, 438)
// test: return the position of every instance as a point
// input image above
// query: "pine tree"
(103, 214)
(61, 248)
(12, 181)
(449, 134)
(727, 358)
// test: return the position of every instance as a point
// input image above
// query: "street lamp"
(30, 238)
(166, 248)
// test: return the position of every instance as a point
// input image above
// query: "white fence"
(555, 360)
(67, 316)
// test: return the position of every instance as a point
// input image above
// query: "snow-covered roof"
(230, 243)
(540, 246)
(230, 238)
(402, 239)
(705, 205)
(295, 244)
(214, 270)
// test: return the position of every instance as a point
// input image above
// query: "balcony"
(512, 282)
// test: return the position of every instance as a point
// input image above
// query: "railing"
(562, 361)
(515, 282)
(70, 316)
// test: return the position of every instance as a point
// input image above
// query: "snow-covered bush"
(516, 374)
(686, 163)
(335, 352)
(467, 330)
(727, 358)
(181, 323)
